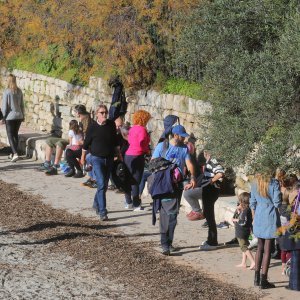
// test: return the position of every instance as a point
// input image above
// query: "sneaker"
(206, 247)
(165, 252)
(15, 158)
(104, 218)
(94, 185)
(234, 241)
(253, 243)
(195, 216)
(66, 170)
(204, 225)
(70, 173)
(87, 183)
(44, 167)
(10, 156)
(172, 249)
(79, 174)
(223, 225)
(128, 206)
(111, 187)
(189, 214)
(138, 208)
(51, 171)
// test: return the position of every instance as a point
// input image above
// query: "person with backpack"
(167, 204)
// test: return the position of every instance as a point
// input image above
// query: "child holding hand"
(242, 220)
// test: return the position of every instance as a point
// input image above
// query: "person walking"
(264, 202)
(168, 205)
(13, 114)
(101, 140)
(139, 140)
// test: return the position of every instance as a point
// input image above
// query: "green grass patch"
(179, 86)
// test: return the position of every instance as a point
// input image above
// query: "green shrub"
(182, 87)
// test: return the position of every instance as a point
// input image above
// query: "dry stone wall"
(49, 103)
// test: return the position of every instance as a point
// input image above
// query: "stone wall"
(49, 103)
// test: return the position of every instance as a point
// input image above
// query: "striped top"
(211, 168)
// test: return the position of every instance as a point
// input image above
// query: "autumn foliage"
(75, 39)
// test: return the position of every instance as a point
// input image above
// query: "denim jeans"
(101, 167)
(88, 160)
(192, 196)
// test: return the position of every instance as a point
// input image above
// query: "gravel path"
(48, 253)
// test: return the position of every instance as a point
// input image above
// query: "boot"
(256, 278)
(264, 283)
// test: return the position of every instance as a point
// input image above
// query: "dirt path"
(47, 253)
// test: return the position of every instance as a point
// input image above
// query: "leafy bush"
(183, 87)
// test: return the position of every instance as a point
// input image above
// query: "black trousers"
(71, 157)
(210, 195)
(12, 130)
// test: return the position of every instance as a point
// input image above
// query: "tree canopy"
(242, 56)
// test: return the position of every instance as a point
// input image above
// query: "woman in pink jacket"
(138, 139)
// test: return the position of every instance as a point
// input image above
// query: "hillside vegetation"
(242, 56)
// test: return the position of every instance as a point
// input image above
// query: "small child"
(242, 219)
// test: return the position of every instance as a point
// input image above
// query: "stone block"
(180, 104)
(93, 83)
(65, 110)
(168, 101)
(203, 108)
(191, 106)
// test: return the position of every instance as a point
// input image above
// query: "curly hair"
(141, 117)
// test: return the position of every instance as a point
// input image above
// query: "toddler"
(242, 220)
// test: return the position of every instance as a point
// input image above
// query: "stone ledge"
(31, 142)
(224, 208)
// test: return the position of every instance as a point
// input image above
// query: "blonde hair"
(263, 181)
(12, 83)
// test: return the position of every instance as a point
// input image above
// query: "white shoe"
(15, 158)
(10, 156)
(139, 208)
(253, 243)
(128, 206)
(206, 247)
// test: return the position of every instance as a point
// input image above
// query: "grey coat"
(13, 105)
(266, 218)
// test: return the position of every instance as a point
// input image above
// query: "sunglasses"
(103, 112)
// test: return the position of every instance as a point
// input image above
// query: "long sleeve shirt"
(13, 105)
(138, 139)
(101, 139)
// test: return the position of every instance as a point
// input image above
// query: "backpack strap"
(165, 148)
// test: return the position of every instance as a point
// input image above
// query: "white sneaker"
(253, 243)
(206, 247)
(128, 206)
(10, 156)
(15, 158)
(139, 208)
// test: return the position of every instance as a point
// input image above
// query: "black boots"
(264, 283)
(256, 278)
